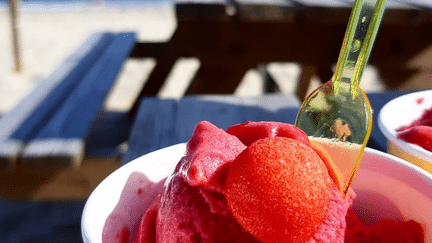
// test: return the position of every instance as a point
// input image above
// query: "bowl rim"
(391, 135)
(425, 176)
(85, 221)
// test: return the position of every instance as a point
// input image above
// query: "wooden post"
(13, 6)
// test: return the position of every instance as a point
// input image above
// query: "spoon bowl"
(338, 115)
(340, 123)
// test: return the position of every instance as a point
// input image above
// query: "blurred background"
(48, 31)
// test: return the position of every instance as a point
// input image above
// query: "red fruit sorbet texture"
(419, 132)
(239, 187)
(279, 190)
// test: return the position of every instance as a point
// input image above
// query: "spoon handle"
(358, 41)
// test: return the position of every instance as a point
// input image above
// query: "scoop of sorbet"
(279, 189)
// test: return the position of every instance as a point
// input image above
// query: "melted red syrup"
(419, 100)
(123, 235)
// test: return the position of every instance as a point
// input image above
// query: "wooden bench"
(50, 126)
(230, 37)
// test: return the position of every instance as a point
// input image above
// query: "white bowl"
(401, 112)
(387, 187)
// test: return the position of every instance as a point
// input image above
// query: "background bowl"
(387, 187)
(400, 112)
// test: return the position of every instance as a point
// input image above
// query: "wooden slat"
(146, 128)
(61, 142)
(25, 120)
(403, 4)
(256, 10)
(404, 14)
(200, 9)
(327, 12)
(395, 4)
(321, 3)
(268, 101)
(401, 13)
(425, 4)
(314, 11)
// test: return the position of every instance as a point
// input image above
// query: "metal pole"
(13, 5)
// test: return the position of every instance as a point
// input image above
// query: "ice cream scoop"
(277, 189)
(338, 114)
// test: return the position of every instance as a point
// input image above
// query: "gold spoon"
(337, 115)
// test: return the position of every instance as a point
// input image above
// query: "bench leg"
(154, 83)
(216, 79)
(306, 74)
